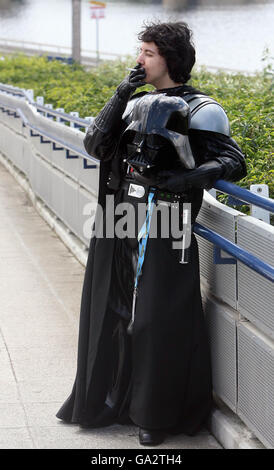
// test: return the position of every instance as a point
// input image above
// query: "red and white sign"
(97, 9)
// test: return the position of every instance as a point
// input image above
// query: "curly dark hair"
(174, 42)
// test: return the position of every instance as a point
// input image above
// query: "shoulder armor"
(207, 114)
(131, 103)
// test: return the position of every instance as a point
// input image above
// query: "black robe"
(160, 377)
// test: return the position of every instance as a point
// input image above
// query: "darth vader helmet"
(156, 119)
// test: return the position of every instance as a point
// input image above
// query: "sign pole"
(97, 40)
(97, 12)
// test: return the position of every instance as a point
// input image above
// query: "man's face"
(153, 63)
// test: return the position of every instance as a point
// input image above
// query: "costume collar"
(178, 90)
(168, 90)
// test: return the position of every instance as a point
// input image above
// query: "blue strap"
(143, 236)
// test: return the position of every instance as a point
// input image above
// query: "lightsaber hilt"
(185, 254)
(130, 325)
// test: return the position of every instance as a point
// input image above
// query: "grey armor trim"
(206, 114)
(128, 111)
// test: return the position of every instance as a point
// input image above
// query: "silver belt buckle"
(136, 190)
(174, 205)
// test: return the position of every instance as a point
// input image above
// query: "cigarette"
(131, 70)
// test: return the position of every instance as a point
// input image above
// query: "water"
(232, 35)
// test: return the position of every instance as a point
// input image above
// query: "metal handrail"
(250, 260)
(52, 138)
(81, 122)
(55, 139)
(64, 116)
(85, 53)
(245, 195)
(14, 90)
(55, 47)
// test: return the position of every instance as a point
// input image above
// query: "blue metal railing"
(244, 195)
(53, 139)
(77, 121)
(65, 117)
(253, 262)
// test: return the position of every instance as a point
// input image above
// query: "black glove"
(152, 180)
(181, 180)
(113, 110)
(134, 80)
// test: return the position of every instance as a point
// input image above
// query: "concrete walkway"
(40, 293)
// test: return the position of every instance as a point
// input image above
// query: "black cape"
(160, 377)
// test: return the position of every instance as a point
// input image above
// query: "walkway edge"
(229, 430)
(223, 424)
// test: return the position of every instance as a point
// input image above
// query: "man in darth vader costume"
(143, 353)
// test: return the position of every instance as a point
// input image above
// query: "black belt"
(139, 192)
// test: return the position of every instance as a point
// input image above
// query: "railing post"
(75, 114)
(40, 100)
(50, 106)
(58, 118)
(90, 119)
(213, 192)
(30, 95)
(258, 212)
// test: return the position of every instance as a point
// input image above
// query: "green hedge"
(246, 99)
